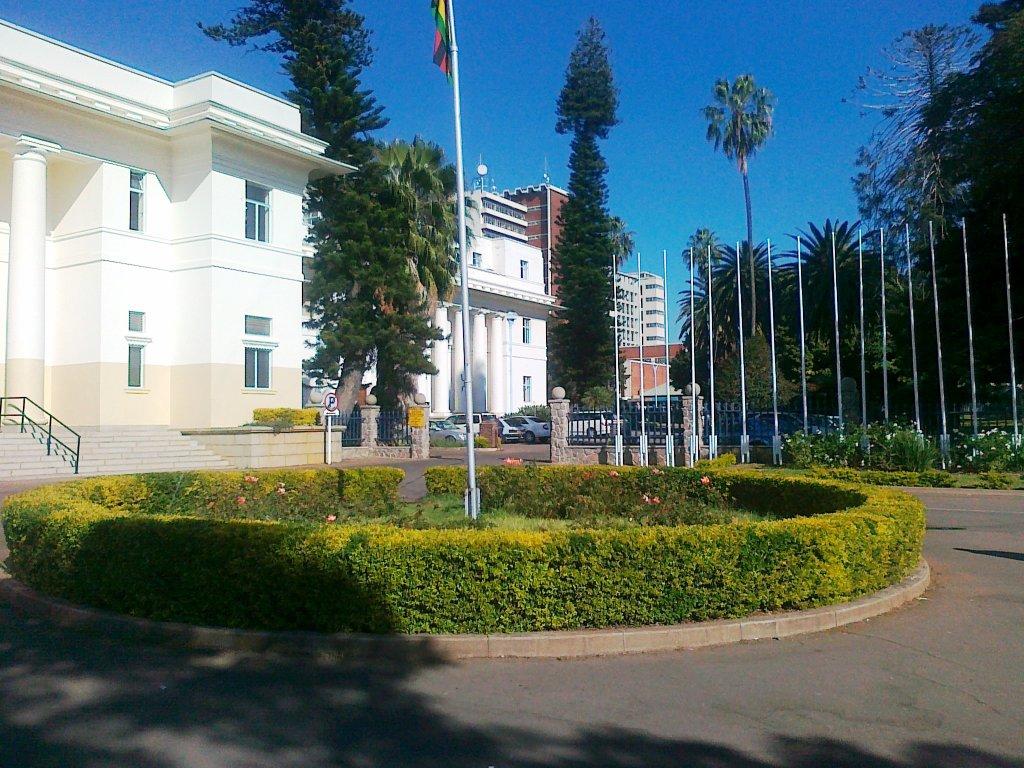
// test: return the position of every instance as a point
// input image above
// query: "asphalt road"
(936, 684)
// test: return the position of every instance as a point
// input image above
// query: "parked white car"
(531, 428)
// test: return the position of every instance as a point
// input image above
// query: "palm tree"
(426, 183)
(622, 239)
(424, 187)
(739, 123)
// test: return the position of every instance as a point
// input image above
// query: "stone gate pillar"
(559, 426)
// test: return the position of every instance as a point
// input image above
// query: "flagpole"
(472, 493)
(694, 457)
(970, 334)
(712, 435)
(744, 437)
(1009, 328)
(803, 345)
(615, 341)
(835, 306)
(944, 437)
(670, 448)
(885, 333)
(776, 438)
(643, 409)
(863, 364)
(913, 334)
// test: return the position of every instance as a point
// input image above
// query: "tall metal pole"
(835, 307)
(1009, 328)
(643, 407)
(693, 373)
(472, 501)
(803, 343)
(913, 334)
(712, 435)
(615, 344)
(744, 437)
(670, 448)
(944, 437)
(885, 332)
(863, 364)
(970, 334)
(776, 438)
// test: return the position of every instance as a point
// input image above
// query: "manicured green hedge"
(295, 417)
(100, 542)
(932, 478)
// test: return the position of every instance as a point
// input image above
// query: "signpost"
(330, 411)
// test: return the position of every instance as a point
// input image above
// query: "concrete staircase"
(107, 451)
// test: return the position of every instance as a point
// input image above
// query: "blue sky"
(664, 179)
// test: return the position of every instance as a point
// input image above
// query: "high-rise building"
(543, 204)
(649, 324)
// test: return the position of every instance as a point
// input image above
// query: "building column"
(497, 388)
(458, 390)
(26, 272)
(441, 382)
(479, 360)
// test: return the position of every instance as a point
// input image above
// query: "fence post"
(369, 414)
(419, 437)
(693, 424)
(559, 426)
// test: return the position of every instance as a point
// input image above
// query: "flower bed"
(183, 547)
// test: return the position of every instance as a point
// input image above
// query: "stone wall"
(262, 447)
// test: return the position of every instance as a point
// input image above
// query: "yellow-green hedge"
(297, 417)
(100, 542)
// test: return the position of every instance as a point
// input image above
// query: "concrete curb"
(571, 644)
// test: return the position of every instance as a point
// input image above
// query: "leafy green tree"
(902, 177)
(740, 122)
(581, 337)
(381, 237)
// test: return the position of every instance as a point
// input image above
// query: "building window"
(136, 200)
(136, 321)
(257, 368)
(527, 334)
(257, 326)
(524, 269)
(257, 212)
(527, 389)
(135, 354)
(477, 259)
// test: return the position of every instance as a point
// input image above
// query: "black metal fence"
(393, 428)
(353, 423)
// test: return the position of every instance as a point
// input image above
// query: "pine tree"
(364, 299)
(581, 339)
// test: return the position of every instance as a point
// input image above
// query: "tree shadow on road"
(70, 699)
(993, 553)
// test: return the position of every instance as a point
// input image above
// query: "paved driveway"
(940, 683)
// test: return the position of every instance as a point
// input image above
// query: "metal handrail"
(21, 417)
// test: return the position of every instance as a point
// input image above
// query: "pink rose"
(240, 500)
(656, 471)
(613, 473)
(331, 518)
(705, 480)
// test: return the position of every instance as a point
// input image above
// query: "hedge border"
(282, 576)
(526, 645)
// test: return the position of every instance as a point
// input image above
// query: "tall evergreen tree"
(581, 338)
(364, 298)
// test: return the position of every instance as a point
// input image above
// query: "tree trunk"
(750, 255)
(348, 387)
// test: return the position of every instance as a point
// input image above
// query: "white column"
(26, 275)
(496, 364)
(441, 382)
(457, 386)
(479, 359)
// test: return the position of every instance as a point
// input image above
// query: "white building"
(647, 325)
(151, 240)
(509, 314)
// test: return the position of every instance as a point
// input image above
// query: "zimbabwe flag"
(442, 37)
